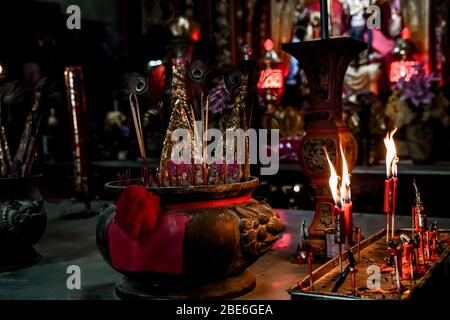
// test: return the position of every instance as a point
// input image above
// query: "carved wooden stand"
(325, 63)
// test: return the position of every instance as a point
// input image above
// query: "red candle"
(339, 225)
(387, 208)
(394, 203)
(348, 216)
(388, 186)
(420, 219)
(408, 256)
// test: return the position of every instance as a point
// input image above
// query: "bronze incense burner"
(215, 232)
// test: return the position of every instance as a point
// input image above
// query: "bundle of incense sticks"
(182, 175)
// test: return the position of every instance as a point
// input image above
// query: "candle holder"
(325, 63)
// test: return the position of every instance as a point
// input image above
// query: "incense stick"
(137, 123)
(353, 272)
(359, 249)
(397, 276)
(311, 280)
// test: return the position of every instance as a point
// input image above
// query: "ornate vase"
(22, 222)
(325, 63)
(206, 237)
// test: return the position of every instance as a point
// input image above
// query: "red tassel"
(137, 211)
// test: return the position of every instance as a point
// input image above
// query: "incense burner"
(22, 221)
(205, 239)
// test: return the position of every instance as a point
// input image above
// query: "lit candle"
(342, 210)
(387, 204)
(390, 184)
(346, 199)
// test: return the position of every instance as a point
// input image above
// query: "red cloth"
(160, 250)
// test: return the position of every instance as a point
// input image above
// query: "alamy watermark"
(374, 20)
(74, 19)
(74, 280)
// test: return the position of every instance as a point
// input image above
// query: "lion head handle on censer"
(259, 227)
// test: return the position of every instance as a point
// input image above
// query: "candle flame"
(333, 181)
(341, 193)
(391, 154)
(345, 183)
